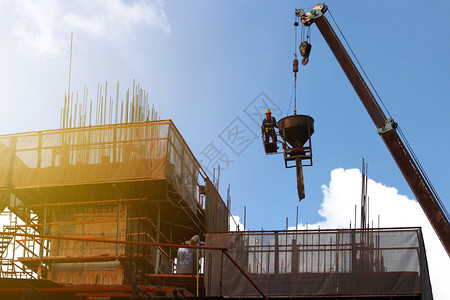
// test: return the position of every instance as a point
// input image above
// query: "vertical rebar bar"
(245, 218)
(118, 227)
(75, 112)
(106, 100)
(117, 102)
(70, 63)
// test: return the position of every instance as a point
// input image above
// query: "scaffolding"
(136, 182)
(351, 263)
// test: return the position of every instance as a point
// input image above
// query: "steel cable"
(359, 64)
(423, 173)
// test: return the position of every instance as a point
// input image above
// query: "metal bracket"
(308, 18)
(390, 125)
(300, 13)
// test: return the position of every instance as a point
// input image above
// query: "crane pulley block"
(308, 18)
(305, 50)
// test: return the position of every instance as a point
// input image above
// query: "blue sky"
(205, 62)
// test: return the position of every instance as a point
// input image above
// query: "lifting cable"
(359, 65)
(423, 173)
(401, 134)
(305, 48)
(295, 65)
(290, 102)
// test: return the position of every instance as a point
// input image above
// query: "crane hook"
(295, 65)
(305, 60)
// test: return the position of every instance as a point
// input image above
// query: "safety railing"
(45, 262)
(338, 262)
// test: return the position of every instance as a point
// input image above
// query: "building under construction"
(135, 182)
(101, 212)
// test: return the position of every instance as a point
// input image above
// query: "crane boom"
(385, 127)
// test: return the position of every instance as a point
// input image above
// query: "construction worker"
(268, 127)
(187, 259)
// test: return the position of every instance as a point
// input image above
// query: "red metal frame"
(304, 153)
(97, 288)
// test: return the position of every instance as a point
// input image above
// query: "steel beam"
(418, 186)
(352, 73)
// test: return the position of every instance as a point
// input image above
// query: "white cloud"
(235, 221)
(395, 210)
(43, 26)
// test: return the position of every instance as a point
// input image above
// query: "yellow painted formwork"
(134, 182)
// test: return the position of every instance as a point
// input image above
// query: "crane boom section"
(386, 129)
(352, 73)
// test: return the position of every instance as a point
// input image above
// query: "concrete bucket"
(294, 129)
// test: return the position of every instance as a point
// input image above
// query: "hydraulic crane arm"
(385, 127)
